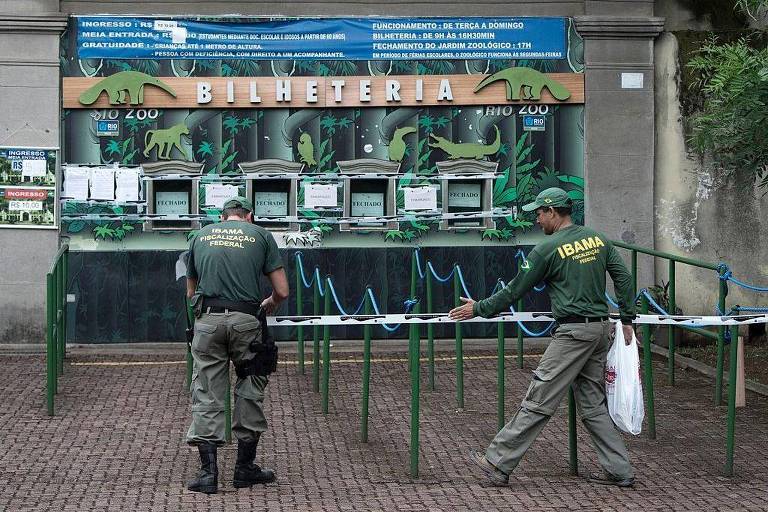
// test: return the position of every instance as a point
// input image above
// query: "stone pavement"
(117, 442)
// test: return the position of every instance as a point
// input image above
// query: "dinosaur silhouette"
(467, 149)
(165, 139)
(397, 145)
(306, 149)
(118, 85)
(529, 80)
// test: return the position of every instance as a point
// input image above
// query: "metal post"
(411, 329)
(299, 312)
(60, 314)
(519, 336)
(50, 372)
(634, 273)
(500, 374)
(649, 399)
(316, 333)
(723, 291)
(731, 436)
(572, 441)
(326, 348)
(671, 335)
(228, 408)
(430, 332)
(366, 367)
(415, 377)
(459, 341)
(65, 273)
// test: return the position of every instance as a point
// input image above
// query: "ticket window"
(369, 198)
(171, 198)
(274, 198)
(467, 196)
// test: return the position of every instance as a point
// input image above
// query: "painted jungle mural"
(416, 141)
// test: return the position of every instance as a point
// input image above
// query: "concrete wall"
(29, 116)
(701, 213)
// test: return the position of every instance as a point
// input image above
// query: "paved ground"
(116, 443)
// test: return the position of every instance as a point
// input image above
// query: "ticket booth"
(172, 190)
(369, 191)
(467, 188)
(271, 184)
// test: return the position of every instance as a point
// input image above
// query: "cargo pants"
(575, 357)
(218, 338)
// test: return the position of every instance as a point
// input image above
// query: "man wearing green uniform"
(572, 261)
(226, 261)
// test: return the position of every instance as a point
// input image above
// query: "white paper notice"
(76, 183)
(420, 198)
(631, 80)
(25, 206)
(179, 35)
(103, 184)
(316, 194)
(33, 168)
(127, 185)
(216, 194)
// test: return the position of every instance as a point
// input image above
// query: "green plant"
(730, 125)
(660, 294)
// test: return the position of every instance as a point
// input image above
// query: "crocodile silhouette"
(532, 82)
(467, 149)
(118, 85)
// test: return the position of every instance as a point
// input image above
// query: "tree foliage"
(731, 125)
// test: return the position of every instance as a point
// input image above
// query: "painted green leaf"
(576, 194)
(76, 226)
(575, 180)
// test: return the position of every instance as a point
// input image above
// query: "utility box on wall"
(467, 189)
(271, 184)
(172, 189)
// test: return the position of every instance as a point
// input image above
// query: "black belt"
(216, 305)
(575, 319)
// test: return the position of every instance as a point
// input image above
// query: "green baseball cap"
(239, 202)
(550, 197)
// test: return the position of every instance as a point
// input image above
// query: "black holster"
(264, 361)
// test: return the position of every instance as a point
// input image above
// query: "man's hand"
(463, 312)
(629, 333)
(269, 305)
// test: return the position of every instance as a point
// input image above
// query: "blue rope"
(336, 300)
(422, 274)
(301, 271)
(441, 279)
(751, 309)
(658, 308)
(316, 279)
(611, 301)
(745, 285)
(378, 312)
(530, 333)
(463, 284)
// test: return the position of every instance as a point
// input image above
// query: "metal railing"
(56, 324)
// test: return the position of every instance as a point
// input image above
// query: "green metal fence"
(56, 324)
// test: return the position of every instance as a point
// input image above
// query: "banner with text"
(322, 39)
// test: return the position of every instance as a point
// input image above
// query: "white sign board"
(217, 194)
(464, 195)
(367, 204)
(25, 206)
(172, 203)
(127, 185)
(103, 184)
(420, 198)
(317, 194)
(33, 168)
(631, 80)
(76, 183)
(270, 204)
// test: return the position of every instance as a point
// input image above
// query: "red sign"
(23, 193)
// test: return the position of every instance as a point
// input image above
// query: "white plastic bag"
(623, 388)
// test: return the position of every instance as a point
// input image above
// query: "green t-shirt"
(229, 258)
(572, 262)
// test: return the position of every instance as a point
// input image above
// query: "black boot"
(246, 472)
(207, 479)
